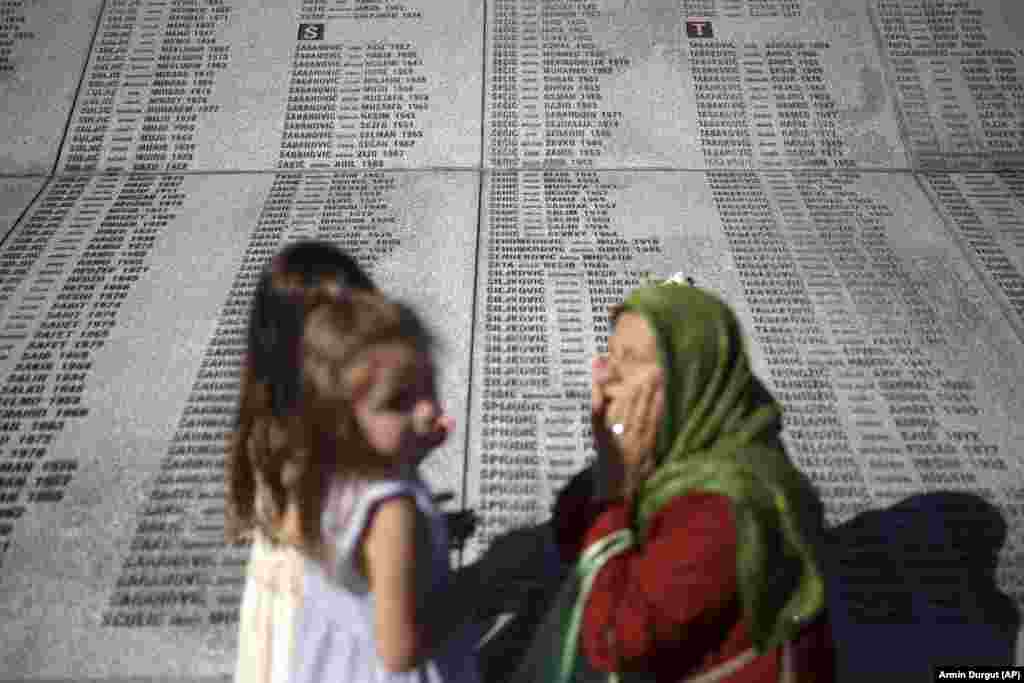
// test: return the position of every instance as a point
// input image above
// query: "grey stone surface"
(72, 565)
(43, 48)
(893, 332)
(874, 273)
(985, 212)
(956, 70)
(799, 84)
(16, 195)
(228, 88)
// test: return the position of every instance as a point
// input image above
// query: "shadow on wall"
(909, 587)
(512, 587)
(913, 586)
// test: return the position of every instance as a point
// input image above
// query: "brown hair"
(277, 313)
(273, 459)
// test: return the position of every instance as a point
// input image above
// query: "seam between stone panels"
(78, 88)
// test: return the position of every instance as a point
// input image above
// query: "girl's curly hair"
(279, 457)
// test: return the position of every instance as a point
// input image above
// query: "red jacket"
(671, 607)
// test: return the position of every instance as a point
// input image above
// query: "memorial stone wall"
(848, 175)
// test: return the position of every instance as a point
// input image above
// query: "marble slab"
(245, 85)
(985, 211)
(899, 374)
(683, 84)
(957, 70)
(43, 50)
(118, 391)
(16, 194)
(849, 175)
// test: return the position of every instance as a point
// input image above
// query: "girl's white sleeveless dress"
(303, 622)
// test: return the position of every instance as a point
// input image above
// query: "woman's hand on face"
(610, 476)
(635, 403)
(599, 379)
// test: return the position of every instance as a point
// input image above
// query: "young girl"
(350, 560)
(276, 320)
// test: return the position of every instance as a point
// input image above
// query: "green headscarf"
(720, 434)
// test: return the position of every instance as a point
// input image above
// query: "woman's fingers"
(598, 402)
(618, 408)
(635, 405)
(607, 468)
(599, 377)
(648, 410)
(636, 416)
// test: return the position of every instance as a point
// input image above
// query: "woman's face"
(632, 348)
(396, 403)
(632, 362)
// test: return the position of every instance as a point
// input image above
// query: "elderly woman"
(694, 536)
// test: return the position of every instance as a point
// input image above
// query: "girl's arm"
(389, 548)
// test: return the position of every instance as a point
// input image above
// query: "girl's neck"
(291, 524)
